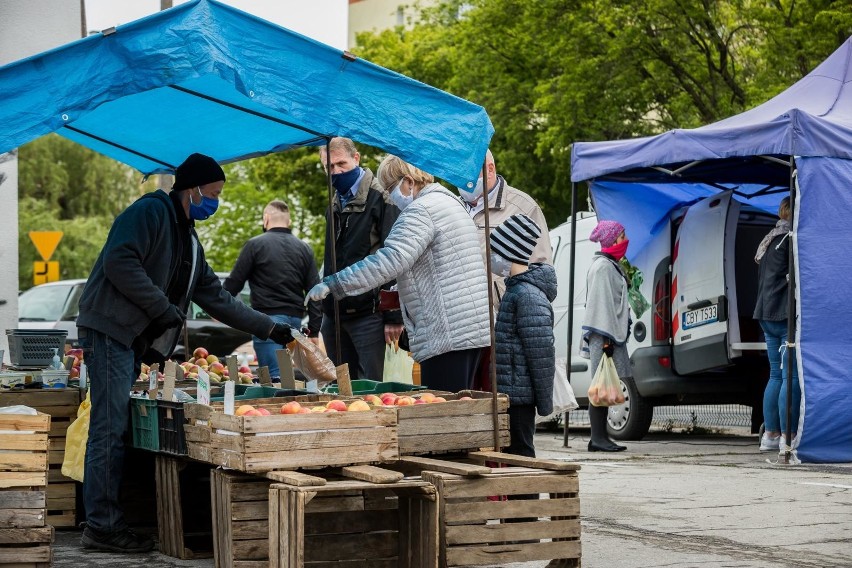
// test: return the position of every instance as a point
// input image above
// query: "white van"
(698, 343)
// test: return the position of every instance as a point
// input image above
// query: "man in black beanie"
(132, 310)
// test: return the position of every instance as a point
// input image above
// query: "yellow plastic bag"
(74, 463)
(605, 389)
(398, 365)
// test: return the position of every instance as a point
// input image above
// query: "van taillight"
(662, 310)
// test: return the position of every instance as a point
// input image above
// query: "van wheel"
(631, 420)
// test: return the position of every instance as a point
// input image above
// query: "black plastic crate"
(171, 419)
(34, 347)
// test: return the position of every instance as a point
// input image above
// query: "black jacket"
(152, 258)
(772, 284)
(524, 339)
(360, 229)
(280, 270)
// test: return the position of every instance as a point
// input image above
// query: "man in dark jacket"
(280, 270)
(132, 309)
(524, 331)
(357, 225)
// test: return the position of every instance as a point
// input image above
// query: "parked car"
(55, 305)
(700, 346)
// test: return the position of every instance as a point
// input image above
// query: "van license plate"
(701, 316)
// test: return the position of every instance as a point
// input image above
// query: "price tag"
(152, 380)
(203, 394)
(229, 397)
(84, 376)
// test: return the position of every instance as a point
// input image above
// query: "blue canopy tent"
(206, 77)
(807, 129)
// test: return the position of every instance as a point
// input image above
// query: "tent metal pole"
(492, 363)
(791, 316)
(570, 301)
(333, 240)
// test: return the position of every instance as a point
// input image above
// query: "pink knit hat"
(606, 233)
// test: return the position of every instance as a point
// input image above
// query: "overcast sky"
(323, 20)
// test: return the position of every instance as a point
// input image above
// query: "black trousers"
(452, 371)
(522, 430)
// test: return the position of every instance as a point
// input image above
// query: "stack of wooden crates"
(61, 405)
(25, 537)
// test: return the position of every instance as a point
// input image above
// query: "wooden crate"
(256, 444)
(26, 548)
(240, 520)
(353, 522)
(475, 530)
(62, 406)
(183, 508)
(455, 425)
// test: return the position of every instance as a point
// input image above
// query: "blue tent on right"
(800, 140)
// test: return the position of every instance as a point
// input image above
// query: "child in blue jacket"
(524, 330)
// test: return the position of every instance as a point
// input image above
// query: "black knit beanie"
(197, 170)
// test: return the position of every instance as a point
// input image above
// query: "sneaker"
(120, 541)
(768, 444)
(782, 445)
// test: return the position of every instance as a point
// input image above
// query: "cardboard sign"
(229, 397)
(203, 394)
(169, 383)
(263, 373)
(285, 369)
(152, 381)
(84, 376)
(344, 384)
(233, 368)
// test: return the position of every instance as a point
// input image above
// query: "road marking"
(837, 485)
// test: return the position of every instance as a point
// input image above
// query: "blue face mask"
(343, 182)
(207, 207)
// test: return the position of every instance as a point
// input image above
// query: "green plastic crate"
(247, 392)
(365, 386)
(144, 423)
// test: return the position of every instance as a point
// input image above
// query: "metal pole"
(333, 241)
(570, 300)
(791, 315)
(492, 366)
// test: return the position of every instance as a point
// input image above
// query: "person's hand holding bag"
(317, 293)
(281, 333)
(169, 319)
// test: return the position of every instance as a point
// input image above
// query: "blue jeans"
(266, 348)
(111, 371)
(775, 395)
(362, 345)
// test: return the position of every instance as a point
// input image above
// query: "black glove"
(169, 319)
(608, 348)
(281, 334)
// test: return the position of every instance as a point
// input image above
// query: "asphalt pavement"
(673, 500)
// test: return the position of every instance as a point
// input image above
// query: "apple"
(75, 353)
(245, 369)
(200, 353)
(427, 397)
(405, 401)
(420, 401)
(338, 405)
(74, 373)
(439, 399)
(374, 400)
(254, 412)
(244, 409)
(216, 367)
(202, 363)
(317, 409)
(304, 410)
(358, 406)
(144, 369)
(291, 407)
(211, 358)
(329, 410)
(465, 398)
(388, 398)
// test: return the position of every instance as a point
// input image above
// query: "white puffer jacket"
(433, 252)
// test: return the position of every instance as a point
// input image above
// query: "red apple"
(337, 405)
(405, 401)
(216, 367)
(200, 353)
(245, 369)
(291, 407)
(358, 406)
(264, 412)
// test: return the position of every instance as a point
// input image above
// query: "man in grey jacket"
(132, 310)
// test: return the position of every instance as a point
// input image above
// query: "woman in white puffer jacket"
(433, 252)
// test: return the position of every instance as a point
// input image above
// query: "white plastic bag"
(398, 365)
(563, 394)
(605, 389)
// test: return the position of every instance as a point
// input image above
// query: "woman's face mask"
(397, 197)
(500, 266)
(204, 209)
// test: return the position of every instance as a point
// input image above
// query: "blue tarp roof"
(206, 77)
(811, 118)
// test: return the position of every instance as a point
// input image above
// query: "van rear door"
(704, 303)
